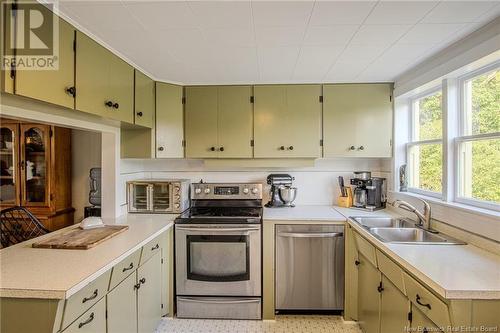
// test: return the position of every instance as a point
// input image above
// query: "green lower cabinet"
(149, 294)
(122, 307)
(394, 309)
(421, 323)
(368, 296)
(92, 321)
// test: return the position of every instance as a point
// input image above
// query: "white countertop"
(57, 274)
(452, 271)
(303, 213)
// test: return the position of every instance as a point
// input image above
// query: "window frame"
(412, 142)
(462, 137)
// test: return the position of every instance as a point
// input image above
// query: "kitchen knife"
(341, 184)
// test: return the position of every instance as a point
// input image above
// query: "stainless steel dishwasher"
(309, 267)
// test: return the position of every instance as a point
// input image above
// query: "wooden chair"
(17, 225)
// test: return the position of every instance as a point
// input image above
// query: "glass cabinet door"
(35, 154)
(8, 164)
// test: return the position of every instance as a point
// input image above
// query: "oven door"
(218, 260)
(162, 197)
(139, 197)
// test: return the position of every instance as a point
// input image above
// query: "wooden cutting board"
(80, 239)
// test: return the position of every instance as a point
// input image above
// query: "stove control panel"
(213, 191)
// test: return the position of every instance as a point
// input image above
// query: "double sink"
(403, 231)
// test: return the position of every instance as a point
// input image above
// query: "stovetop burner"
(224, 215)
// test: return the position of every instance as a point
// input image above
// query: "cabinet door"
(169, 121)
(201, 122)
(303, 121)
(421, 323)
(9, 157)
(144, 100)
(51, 85)
(149, 294)
(351, 276)
(368, 296)
(122, 307)
(92, 77)
(121, 86)
(287, 121)
(35, 165)
(394, 309)
(357, 120)
(235, 122)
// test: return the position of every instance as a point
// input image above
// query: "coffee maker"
(282, 193)
(369, 192)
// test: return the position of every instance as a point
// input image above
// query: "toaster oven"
(158, 196)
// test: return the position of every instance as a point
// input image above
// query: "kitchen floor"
(282, 324)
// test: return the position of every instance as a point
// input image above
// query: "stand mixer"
(282, 193)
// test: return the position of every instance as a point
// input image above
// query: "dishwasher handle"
(310, 234)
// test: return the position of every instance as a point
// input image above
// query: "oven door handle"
(239, 301)
(310, 234)
(216, 229)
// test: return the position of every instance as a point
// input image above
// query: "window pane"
(426, 167)
(482, 104)
(429, 117)
(480, 170)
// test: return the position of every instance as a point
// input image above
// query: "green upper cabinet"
(104, 82)
(169, 121)
(144, 100)
(357, 120)
(287, 121)
(219, 122)
(49, 85)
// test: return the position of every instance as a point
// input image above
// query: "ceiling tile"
(399, 12)
(281, 13)
(279, 36)
(236, 64)
(430, 33)
(363, 54)
(155, 15)
(458, 11)
(219, 14)
(234, 37)
(340, 12)
(329, 35)
(379, 34)
(276, 64)
(315, 61)
(343, 72)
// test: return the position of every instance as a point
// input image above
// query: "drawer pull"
(94, 295)
(128, 268)
(380, 288)
(143, 280)
(137, 286)
(357, 262)
(155, 247)
(108, 104)
(427, 305)
(83, 323)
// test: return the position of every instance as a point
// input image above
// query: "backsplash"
(316, 185)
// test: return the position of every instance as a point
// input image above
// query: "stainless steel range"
(218, 244)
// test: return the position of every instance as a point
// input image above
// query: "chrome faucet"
(424, 219)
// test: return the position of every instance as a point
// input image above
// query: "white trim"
(425, 142)
(425, 192)
(478, 203)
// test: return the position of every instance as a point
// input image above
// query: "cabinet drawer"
(92, 321)
(152, 247)
(85, 298)
(124, 268)
(430, 305)
(365, 248)
(391, 271)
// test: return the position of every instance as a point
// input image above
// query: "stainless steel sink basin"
(396, 230)
(383, 222)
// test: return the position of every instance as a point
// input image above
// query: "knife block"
(345, 201)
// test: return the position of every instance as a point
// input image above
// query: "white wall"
(85, 154)
(317, 185)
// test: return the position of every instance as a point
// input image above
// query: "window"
(424, 150)
(478, 143)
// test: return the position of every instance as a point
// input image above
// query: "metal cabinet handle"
(198, 229)
(221, 149)
(161, 148)
(83, 323)
(155, 247)
(282, 148)
(94, 295)
(361, 148)
(142, 281)
(128, 268)
(290, 148)
(137, 286)
(212, 148)
(357, 262)
(71, 91)
(380, 288)
(139, 114)
(310, 234)
(108, 104)
(427, 305)
(352, 148)
(116, 105)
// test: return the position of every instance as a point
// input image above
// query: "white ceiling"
(230, 42)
